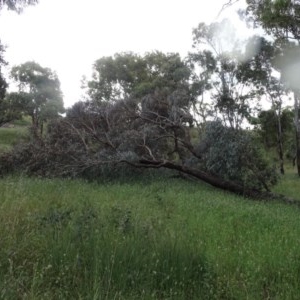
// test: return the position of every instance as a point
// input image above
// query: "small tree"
(9, 110)
(15, 5)
(39, 93)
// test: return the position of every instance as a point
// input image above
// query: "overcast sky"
(69, 35)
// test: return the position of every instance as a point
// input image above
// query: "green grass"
(162, 239)
(289, 183)
(10, 136)
(24, 121)
(153, 239)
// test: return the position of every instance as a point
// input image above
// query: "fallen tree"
(218, 182)
(92, 136)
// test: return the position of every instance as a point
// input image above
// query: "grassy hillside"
(12, 135)
(162, 239)
(154, 239)
(289, 184)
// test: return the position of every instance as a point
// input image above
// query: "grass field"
(158, 238)
(161, 239)
(10, 136)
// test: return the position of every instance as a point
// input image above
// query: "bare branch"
(228, 4)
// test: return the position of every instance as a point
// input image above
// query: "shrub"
(234, 155)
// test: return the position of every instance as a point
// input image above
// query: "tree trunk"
(35, 124)
(216, 181)
(279, 141)
(297, 130)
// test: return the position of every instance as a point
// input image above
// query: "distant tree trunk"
(35, 123)
(297, 129)
(279, 140)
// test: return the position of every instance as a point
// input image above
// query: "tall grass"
(162, 239)
(289, 183)
(11, 136)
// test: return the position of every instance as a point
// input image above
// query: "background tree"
(9, 109)
(219, 61)
(267, 126)
(16, 5)
(261, 69)
(280, 19)
(3, 83)
(39, 93)
(130, 75)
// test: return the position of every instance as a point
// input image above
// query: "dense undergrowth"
(153, 239)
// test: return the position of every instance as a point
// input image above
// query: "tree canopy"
(39, 93)
(16, 5)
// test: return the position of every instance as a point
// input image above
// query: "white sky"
(69, 35)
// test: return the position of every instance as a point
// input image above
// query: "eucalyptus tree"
(39, 94)
(280, 19)
(219, 61)
(266, 125)
(17, 6)
(131, 75)
(264, 71)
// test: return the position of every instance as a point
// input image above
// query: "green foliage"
(162, 239)
(39, 93)
(130, 75)
(15, 5)
(8, 112)
(289, 184)
(221, 67)
(268, 127)
(11, 136)
(3, 83)
(279, 17)
(234, 155)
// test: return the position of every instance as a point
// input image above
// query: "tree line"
(159, 110)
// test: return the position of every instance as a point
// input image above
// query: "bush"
(234, 155)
